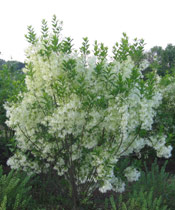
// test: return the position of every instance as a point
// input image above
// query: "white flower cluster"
(77, 114)
(131, 174)
(158, 143)
(114, 184)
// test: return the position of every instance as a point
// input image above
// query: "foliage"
(165, 119)
(14, 191)
(124, 49)
(81, 114)
(154, 190)
(11, 83)
(140, 200)
(155, 179)
(161, 60)
(161, 183)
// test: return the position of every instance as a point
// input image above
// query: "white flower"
(164, 151)
(106, 186)
(131, 174)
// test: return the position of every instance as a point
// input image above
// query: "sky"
(102, 20)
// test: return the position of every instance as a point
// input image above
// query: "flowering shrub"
(81, 113)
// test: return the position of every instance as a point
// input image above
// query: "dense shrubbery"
(14, 191)
(83, 116)
(154, 190)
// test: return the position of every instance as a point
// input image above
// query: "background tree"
(11, 83)
(161, 60)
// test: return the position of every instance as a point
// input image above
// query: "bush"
(161, 183)
(153, 191)
(81, 114)
(138, 201)
(14, 191)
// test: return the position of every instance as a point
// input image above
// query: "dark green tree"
(11, 83)
(162, 60)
